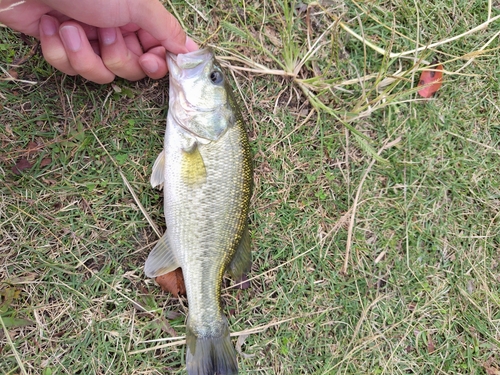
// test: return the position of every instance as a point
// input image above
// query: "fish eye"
(216, 77)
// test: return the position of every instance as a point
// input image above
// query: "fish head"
(199, 94)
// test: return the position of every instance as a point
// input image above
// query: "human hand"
(100, 39)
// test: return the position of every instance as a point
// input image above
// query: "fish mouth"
(188, 65)
(184, 67)
(183, 70)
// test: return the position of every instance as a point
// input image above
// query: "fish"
(206, 172)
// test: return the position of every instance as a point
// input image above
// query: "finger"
(80, 54)
(191, 45)
(52, 47)
(90, 31)
(150, 15)
(148, 41)
(132, 43)
(23, 16)
(117, 54)
(154, 63)
(95, 47)
(163, 26)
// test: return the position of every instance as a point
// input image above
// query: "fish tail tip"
(211, 355)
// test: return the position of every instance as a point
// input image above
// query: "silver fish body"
(205, 168)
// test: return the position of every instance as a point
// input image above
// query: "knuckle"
(116, 60)
(56, 58)
(114, 64)
(95, 73)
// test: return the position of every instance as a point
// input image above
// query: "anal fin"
(161, 259)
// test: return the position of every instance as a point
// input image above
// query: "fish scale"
(206, 171)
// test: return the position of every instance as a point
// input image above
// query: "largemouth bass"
(205, 168)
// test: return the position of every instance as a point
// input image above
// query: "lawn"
(375, 218)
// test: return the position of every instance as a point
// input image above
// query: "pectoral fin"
(193, 170)
(242, 260)
(157, 176)
(161, 260)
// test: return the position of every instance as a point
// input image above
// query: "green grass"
(409, 186)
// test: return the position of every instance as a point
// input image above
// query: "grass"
(347, 157)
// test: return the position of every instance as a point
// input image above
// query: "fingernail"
(107, 35)
(190, 44)
(48, 25)
(149, 66)
(71, 38)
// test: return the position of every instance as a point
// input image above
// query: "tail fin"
(210, 355)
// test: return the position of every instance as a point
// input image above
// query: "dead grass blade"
(129, 187)
(386, 146)
(13, 348)
(245, 333)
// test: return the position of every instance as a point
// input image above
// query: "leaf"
(32, 148)
(68, 144)
(30, 54)
(21, 165)
(239, 344)
(128, 93)
(45, 162)
(16, 322)
(244, 282)
(13, 73)
(173, 314)
(431, 347)
(172, 282)
(8, 295)
(431, 80)
(366, 147)
(116, 88)
(490, 367)
(166, 327)
(21, 280)
(121, 158)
